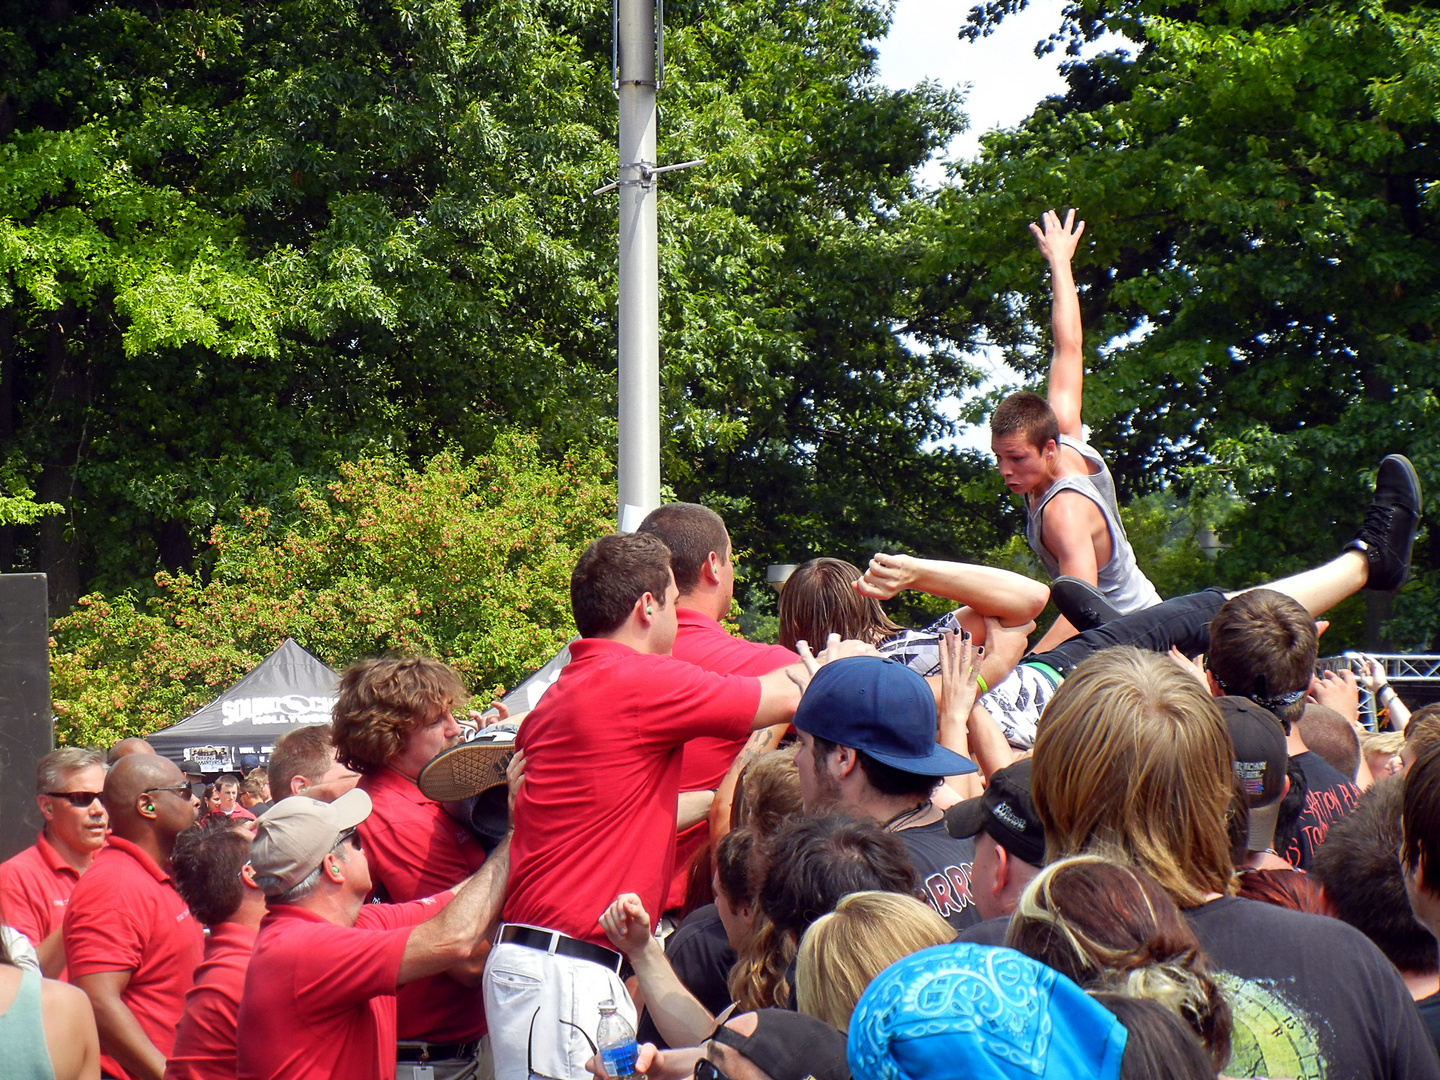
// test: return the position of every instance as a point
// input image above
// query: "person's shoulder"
(1238, 915)
(62, 995)
(22, 862)
(702, 922)
(1319, 773)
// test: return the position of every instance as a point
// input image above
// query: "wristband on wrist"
(980, 682)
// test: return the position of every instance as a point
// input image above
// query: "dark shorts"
(1183, 622)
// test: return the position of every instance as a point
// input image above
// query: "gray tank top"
(1120, 579)
(22, 1034)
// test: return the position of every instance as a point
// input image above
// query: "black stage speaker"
(26, 731)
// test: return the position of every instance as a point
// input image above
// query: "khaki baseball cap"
(294, 836)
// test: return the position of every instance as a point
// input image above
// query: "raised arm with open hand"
(1057, 242)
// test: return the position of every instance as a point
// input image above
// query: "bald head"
(140, 808)
(127, 747)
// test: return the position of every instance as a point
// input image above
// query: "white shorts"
(534, 1003)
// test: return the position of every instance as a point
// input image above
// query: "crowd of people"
(1153, 843)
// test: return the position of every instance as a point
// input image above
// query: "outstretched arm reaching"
(1057, 242)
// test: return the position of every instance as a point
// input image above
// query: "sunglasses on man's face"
(178, 789)
(78, 799)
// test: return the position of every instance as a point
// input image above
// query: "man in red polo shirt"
(700, 553)
(319, 998)
(130, 941)
(213, 878)
(390, 718)
(596, 814)
(35, 886)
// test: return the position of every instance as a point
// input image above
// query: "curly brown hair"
(383, 701)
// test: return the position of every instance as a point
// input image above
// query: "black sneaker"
(1083, 605)
(1390, 524)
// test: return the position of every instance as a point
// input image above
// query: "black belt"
(552, 941)
(423, 1051)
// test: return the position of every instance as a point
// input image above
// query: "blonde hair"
(844, 950)
(1133, 753)
(1387, 742)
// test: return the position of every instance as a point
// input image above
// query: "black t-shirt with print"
(1329, 796)
(943, 865)
(1311, 996)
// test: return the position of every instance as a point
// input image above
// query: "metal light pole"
(639, 70)
(636, 40)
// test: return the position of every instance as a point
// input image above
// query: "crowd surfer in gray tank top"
(1072, 517)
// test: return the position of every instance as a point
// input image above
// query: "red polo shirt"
(319, 999)
(705, 643)
(35, 887)
(415, 849)
(205, 1040)
(596, 815)
(125, 915)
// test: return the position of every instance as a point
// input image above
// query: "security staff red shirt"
(205, 1040)
(596, 814)
(319, 999)
(415, 849)
(35, 888)
(705, 643)
(125, 915)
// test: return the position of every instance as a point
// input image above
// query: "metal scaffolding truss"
(1400, 668)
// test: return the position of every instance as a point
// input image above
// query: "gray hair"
(52, 770)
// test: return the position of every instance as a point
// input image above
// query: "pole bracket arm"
(648, 173)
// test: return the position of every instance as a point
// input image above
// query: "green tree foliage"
(468, 562)
(1261, 186)
(243, 243)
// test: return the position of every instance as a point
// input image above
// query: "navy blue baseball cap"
(883, 708)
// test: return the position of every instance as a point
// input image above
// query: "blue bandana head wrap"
(983, 1013)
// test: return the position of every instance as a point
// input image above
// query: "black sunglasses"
(177, 788)
(705, 1069)
(77, 799)
(350, 834)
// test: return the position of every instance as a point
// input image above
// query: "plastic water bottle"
(618, 1049)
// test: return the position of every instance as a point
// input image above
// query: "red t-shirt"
(704, 642)
(205, 1039)
(319, 999)
(415, 849)
(596, 815)
(125, 915)
(35, 887)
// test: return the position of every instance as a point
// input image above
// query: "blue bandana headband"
(999, 1012)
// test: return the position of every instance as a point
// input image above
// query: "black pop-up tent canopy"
(237, 730)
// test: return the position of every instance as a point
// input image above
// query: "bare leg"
(1321, 588)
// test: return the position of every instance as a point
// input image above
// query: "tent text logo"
(290, 709)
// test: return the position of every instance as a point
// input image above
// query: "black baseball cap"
(1259, 763)
(790, 1046)
(1006, 813)
(191, 767)
(881, 707)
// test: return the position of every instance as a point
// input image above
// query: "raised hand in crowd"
(678, 1015)
(835, 649)
(959, 686)
(1340, 691)
(1374, 679)
(1191, 665)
